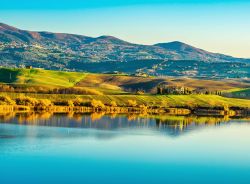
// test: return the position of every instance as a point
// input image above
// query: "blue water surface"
(61, 149)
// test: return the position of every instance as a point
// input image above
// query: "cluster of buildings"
(166, 89)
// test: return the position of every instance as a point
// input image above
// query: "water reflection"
(76, 148)
(168, 125)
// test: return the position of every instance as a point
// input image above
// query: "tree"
(113, 104)
(132, 103)
(226, 107)
(70, 103)
(78, 102)
(44, 103)
(97, 104)
(164, 103)
(28, 101)
(5, 100)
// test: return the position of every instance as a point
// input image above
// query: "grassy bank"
(149, 100)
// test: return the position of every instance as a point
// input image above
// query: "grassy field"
(110, 83)
(40, 77)
(116, 88)
(132, 83)
(240, 93)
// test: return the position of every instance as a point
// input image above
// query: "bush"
(5, 100)
(140, 92)
(164, 103)
(76, 90)
(143, 107)
(97, 104)
(113, 104)
(70, 103)
(44, 103)
(78, 102)
(132, 103)
(226, 107)
(28, 101)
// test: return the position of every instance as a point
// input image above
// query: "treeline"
(28, 101)
(185, 91)
(75, 104)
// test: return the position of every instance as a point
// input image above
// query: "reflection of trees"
(25, 118)
(7, 116)
(97, 116)
(77, 117)
(32, 117)
(172, 125)
(70, 114)
(131, 117)
(113, 115)
(178, 124)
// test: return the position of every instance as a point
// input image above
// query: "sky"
(221, 26)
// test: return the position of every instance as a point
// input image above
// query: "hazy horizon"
(215, 26)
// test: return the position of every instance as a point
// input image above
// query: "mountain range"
(62, 51)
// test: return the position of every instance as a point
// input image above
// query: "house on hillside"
(206, 91)
(140, 74)
(28, 67)
(170, 89)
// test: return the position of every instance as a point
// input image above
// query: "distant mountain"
(188, 52)
(76, 52)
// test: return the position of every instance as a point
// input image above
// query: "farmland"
(118, 88)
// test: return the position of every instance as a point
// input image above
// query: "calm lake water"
(81, 148)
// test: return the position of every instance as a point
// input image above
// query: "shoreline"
(201, 111)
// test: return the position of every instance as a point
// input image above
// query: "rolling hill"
(60, 51)
(110, 83)
(38, 77)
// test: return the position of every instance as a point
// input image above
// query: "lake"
(97, 148)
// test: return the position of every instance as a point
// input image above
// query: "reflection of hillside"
(178, 125)
(170, 125)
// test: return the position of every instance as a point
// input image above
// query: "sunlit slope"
(174, 100)
(110, 83)
(40, 77)
(149, 84)
(55, 79)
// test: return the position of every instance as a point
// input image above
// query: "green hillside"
(120, 88)
(239, 93)
(110, 83)
(40, 77)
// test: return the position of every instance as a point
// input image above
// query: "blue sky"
(215, 25)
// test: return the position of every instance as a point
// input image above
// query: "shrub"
(96, 116)
(113, 104)
(96, 103)
(28, 101)
(5, 100)
(78, 102)
(76, 90)
(6, 88)
(44, 103)
(132, 103)
(140, 92)
(164, 103)
(70, 103)
(143, 107)
(226, 107)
